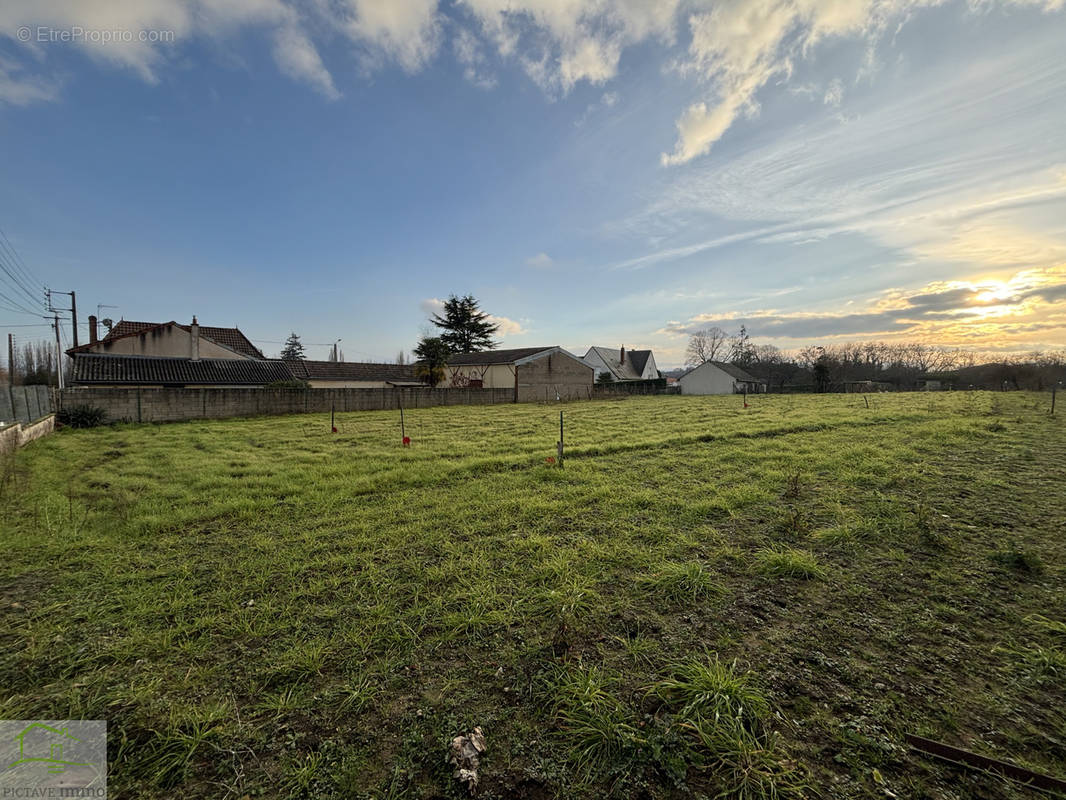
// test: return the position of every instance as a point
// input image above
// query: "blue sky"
(596, 173)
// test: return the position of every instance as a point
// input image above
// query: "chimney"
(622, 355)
(194, 329)
(92, 329)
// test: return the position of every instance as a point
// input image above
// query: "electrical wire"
(20, 265)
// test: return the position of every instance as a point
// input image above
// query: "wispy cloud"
(908, 174)
(20, 89)
(298, 58)
(977, 314)
(540, 261)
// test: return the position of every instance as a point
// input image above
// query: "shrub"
(81, 416)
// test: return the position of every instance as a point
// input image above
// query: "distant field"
(705, 599)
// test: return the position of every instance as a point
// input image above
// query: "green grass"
(262, 609)
(789, 562)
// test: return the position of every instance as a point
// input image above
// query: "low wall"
(175, 405)
(24, 403)
(18, 434)
(623, 388)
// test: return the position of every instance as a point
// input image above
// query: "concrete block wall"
(175, 405)
(24, 403)
(18, 434)
(555, 375)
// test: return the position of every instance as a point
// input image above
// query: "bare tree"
(705, 345)
(740, 348)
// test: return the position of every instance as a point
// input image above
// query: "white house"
(717, 377)
(634, 365)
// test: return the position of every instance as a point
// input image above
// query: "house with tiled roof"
(622, 365)
(719, 377)
(230, 338)
(533, 373)
(168, 340)
(174, 355)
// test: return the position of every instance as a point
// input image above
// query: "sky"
(610, 172)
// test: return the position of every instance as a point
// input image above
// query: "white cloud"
(908, 183)
(734, 47)
(741, 44)
(405, 31)
(834, 93)
(540, 261)
(173, 22)
(469, 53)
(298, 58)
(508, 326)
(18, 89)
(561, 43)
(432, 305)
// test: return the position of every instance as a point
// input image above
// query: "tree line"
(35, 363)
(899, 365)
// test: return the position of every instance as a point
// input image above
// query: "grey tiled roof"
(495, 356)
(350, 371)
(735, 372)
(90, 368)
(639, 359)
(621, 372)
(732, 370)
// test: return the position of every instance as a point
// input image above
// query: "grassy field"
(703, 600)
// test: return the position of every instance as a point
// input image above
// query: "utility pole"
(74, 317)
(59, 355)
(73, 311)
(11, 360)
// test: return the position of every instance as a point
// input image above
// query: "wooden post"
(1054, 388)
(560, 438)
(332, 415)
(867, 399)
(403, 432)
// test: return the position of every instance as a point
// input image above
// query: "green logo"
(40, 743)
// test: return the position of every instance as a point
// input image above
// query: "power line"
(17, 308)
(20, 279)
(19, 263)
(15, 281)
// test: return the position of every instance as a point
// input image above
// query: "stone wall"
(174, 405)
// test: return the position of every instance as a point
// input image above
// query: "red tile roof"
(227, 337)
